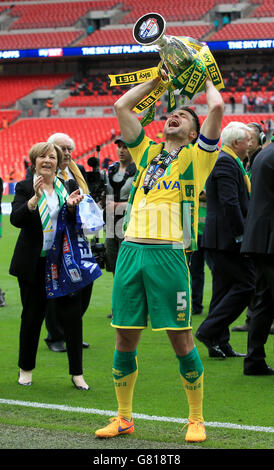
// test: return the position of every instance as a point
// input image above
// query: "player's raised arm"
(128, 121)
(211, 127)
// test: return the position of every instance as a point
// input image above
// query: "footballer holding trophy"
(186, 61)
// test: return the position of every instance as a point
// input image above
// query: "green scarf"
(48, 232)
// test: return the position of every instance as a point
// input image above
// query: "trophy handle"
(149, 29)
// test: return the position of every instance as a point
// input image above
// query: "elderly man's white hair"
(234, 131)
(60, 135)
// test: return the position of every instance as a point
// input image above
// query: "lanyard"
(155, 170)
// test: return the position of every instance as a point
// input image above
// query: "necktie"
(64, 175)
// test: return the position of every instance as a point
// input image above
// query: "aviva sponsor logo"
(167, 185)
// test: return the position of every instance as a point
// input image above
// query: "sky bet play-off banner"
(250, 44)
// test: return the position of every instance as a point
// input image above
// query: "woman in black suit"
(35, 209)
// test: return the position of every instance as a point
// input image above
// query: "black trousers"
(262, 313)
(53, 321)
(34, 304)
(233, 283)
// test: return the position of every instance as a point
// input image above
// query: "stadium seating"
(49, 15)
(238, 95)
(243, 31)
(13, 89)
(124, 35)
(171, 11)
(265, 9)
(7, 117)
(94, 100)
(38, 40)
(16, 141)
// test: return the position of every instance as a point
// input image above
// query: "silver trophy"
(188, 61)
(175, 53)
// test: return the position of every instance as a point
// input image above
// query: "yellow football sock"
(192, 376)
(125, 372)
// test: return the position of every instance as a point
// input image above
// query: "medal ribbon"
(155, 171)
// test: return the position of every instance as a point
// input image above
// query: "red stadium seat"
(31, 40)
(49, 15)
(12, 89)
(243, 31)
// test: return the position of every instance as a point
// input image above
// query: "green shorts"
(151, 281)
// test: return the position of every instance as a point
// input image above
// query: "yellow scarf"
(230, 152)
(79, 177)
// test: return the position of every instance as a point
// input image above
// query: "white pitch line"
(95, 411)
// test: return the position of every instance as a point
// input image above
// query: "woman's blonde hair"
(42, 148)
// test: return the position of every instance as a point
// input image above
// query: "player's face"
(179, 124)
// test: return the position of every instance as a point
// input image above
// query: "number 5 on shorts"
(181, 301)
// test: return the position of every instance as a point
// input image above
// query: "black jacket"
(25, 259)
(259, 230)
(227, 205)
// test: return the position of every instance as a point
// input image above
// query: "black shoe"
(271, 331)
(85, 345)
(2, 299)
(213, 349)
(267, 370)
(58, 346)
(229, 352)
(241, 328)
(109, 315)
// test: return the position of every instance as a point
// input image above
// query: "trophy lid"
(149, 29)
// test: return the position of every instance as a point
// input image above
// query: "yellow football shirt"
(170, 209)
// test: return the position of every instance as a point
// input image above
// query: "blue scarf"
(70, 265)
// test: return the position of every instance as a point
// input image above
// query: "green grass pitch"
(237, 404)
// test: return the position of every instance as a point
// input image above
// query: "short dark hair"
(258, 130)
(196, 119)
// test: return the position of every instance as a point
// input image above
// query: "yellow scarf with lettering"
(79, 177)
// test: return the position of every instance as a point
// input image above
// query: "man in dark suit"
(259, 242)
(68, 171)
(258, 139)
(233, 274)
